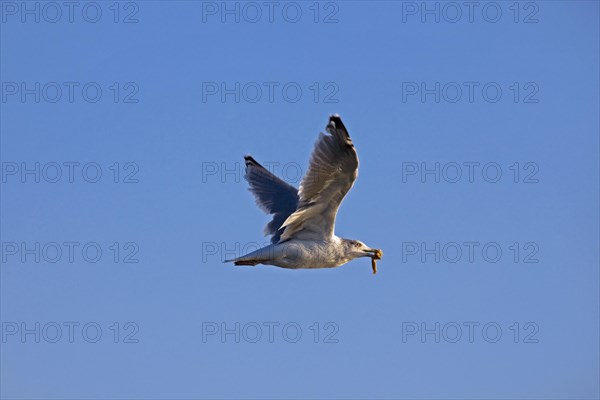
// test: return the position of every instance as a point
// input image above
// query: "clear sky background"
(180, 205)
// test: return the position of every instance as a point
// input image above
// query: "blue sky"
(133, 134)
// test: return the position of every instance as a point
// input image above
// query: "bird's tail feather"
(238, 261)
(255, 257)
(251, 263)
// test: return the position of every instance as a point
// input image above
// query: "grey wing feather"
(273, 195)
(331, 174)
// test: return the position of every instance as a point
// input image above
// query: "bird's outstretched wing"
(331, 173)
(273, 196)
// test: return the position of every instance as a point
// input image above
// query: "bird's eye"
(356, 244)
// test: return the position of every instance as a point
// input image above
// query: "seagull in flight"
(303, 221)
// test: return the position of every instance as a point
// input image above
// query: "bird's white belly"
(307, 254)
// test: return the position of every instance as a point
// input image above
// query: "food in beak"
(377, 254)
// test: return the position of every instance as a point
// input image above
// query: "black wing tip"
(335, 118)
(336, 127)
(250, 160)
(335, 122)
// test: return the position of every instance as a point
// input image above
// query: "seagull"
(302, 227)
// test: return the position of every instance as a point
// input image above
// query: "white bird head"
(356, 249)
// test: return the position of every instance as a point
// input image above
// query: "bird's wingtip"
(250, 160)
(336, 125)
(335, 122)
